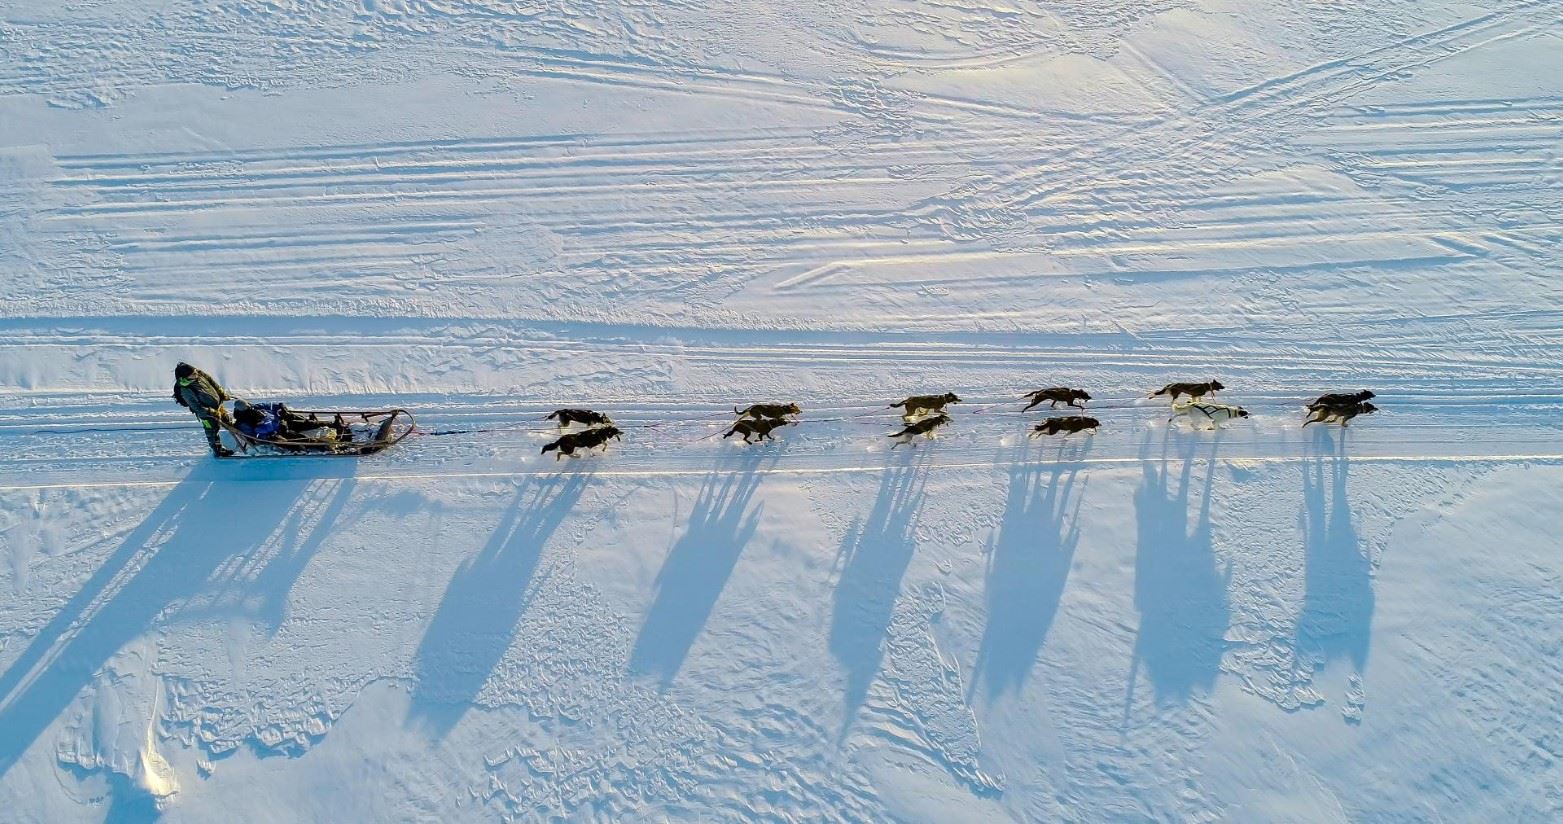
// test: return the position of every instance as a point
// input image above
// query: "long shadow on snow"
(1337, 613)
(698, 566)
(477, 618)
(1028, 565)
(256, 586)
(176, 556)
(1179, 592)
(873, 559)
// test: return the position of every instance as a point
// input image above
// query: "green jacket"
(200, 393)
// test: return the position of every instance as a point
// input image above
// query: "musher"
(203, 396)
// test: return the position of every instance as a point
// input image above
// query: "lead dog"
(1212, 412)
(1067, 424)
(1195, 391)
(918, 404)
(758, 427)
(926, 426)
(565, 417)
(768, 410)
(588, 439)
(1057, 395)
(1339, 414)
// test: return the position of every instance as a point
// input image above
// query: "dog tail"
(554, 415)
(547, 448)
(1161, 391)
(897, 403)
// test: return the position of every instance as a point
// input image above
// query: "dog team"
(921, 415)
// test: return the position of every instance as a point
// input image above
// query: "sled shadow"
(256, 585)
(697, 567)
(477, 618)
(168, 563)
(1337, 613)
(1028, 565)
(873, 560)
(1179, 591)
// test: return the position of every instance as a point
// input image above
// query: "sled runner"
(339, 433)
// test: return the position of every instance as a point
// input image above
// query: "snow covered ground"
(484, 209)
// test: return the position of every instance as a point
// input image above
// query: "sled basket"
(368, 432)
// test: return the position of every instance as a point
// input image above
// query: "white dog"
(1212, 412)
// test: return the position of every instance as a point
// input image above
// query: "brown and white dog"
(1339, 414)
(1194, 390)
(768, 410)
(919, 404)
(1213, 413)
(924, 427)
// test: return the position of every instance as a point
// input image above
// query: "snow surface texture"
(483, 209)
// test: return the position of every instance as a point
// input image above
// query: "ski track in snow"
(484, 209)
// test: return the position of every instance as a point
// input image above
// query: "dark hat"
(183, 370)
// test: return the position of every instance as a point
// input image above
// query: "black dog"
(1193, 390)
(758, 427)
(1339, 399)
(1339, 414)
(926, 426)
(1058, 395)
(588, 439)
(918, 404)
(1067, 424)
(768, 410)
(565, 417)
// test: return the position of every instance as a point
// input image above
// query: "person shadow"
(721, 524)
(1337, 614)
(873, 560)
(480, 612)
(171, 562)
(1028, 565)
(1179, 589)
(256, 586)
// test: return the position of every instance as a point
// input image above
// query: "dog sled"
(335, 433)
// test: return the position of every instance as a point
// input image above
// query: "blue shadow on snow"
(477, 618)
(1028, 565)
(873, 560)
(1179, 592)
(207, 537)
(1337, 614)
(722, 523)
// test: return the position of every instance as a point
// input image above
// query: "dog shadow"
(1338, 601)
(873, 561)
(478, 617)
(1028, 566)
(1179, 590)
(721, 524)
(166, 569)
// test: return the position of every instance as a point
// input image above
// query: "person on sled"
(203, 396)
(276, 422)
